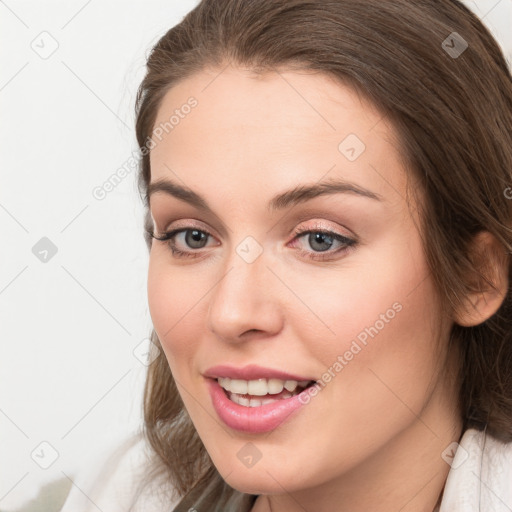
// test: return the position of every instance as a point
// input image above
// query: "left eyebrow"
(299, 194)
(302, 193)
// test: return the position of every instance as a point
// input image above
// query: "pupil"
(196, 236)
(319, 237)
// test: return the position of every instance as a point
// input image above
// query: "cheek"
(173, 306)
(383, 320)
(378, 299)
(386, 337)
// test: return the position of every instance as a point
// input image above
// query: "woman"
(329, 226)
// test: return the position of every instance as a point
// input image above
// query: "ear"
(490, 283)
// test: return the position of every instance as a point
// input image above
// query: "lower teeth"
(258, 402)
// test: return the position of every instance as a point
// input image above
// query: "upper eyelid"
(184, 227)
(306, 212)
(317, 226)
(191, 224)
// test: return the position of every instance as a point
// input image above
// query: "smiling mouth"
(255, 393)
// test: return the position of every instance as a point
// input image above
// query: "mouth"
(260, 392)
(255, 398)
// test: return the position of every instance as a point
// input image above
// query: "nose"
(244, 303)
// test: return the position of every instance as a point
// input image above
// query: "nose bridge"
(242, 299)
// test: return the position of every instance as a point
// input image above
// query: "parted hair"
(450, 105)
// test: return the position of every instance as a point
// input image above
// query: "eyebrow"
(299, 194)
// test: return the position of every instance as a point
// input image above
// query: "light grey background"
(70, 325)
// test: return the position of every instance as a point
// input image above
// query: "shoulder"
(118, 481)
(496, 470)
(487, 451)
(480, 473)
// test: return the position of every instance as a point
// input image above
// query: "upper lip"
(251, 372)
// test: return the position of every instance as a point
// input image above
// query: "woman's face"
(350, 304)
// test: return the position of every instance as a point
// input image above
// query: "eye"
(321, 241)
(193, 238)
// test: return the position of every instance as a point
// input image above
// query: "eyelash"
(348, 243)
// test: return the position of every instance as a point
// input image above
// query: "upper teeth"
(260, 387)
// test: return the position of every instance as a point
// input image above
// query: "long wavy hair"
(452, 109)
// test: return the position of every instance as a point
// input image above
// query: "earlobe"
(490, 282)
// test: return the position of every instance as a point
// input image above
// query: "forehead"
(271, 129)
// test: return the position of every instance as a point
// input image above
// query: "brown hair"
(453, 115)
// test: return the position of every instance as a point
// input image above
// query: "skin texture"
(372, 438)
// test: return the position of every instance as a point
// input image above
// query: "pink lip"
(251, 372)
(252, 419)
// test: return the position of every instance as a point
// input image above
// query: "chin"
(259, 484)
(260, 479)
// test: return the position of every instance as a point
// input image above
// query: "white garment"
(479, 480)
(110, 483)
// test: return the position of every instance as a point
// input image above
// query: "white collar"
(480, 477)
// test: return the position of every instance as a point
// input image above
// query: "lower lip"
(252, 419)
